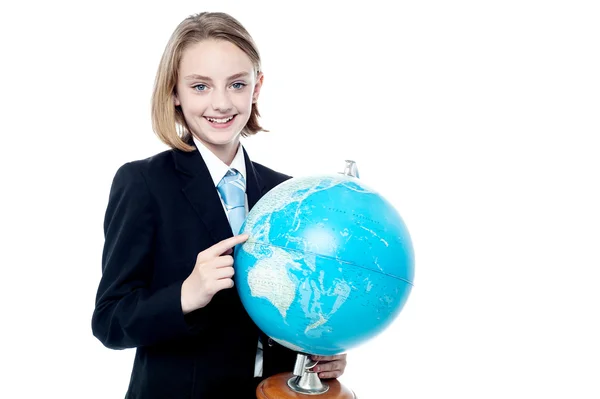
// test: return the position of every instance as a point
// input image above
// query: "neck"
(225, 152)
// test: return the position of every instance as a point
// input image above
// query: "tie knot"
(232, 188)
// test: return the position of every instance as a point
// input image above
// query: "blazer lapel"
(199, 189)
(255, 187)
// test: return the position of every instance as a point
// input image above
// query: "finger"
(331, 374)
(329, 358)
(223, 284)
(223, 261)
(224, 273)
(335, 365)
(222, 246)
(210, 265)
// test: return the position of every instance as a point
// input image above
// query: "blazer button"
(270, 342)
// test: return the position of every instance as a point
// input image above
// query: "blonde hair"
(168, 121)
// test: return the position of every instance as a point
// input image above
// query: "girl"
(166, 286)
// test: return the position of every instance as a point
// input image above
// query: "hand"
(212, 273)
(330, 366)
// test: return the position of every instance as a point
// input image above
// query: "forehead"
(215, 59)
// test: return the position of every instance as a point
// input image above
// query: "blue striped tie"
(232, 188)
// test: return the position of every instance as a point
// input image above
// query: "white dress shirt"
(218, 169)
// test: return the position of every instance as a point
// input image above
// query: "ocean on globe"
(328, 265)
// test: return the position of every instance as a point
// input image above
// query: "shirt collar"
(218, 168)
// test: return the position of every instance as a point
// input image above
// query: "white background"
(478, 120)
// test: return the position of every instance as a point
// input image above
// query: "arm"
(127, 313)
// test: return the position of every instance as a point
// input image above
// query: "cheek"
(243, 102)
(191, 104)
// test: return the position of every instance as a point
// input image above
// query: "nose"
(221, 101)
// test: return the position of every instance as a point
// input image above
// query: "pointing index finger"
(221, 247)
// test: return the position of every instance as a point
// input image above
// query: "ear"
(257, 86)
(176, 100)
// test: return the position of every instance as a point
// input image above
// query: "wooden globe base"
(276, 387)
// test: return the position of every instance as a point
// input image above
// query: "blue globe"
(328, 265)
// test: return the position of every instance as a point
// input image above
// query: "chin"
(221, 139)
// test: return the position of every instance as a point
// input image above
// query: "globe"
(328, 264)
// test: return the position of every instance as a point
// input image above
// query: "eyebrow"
(206, 78)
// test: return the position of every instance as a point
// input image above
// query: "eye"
(238, 85)
(200, 87)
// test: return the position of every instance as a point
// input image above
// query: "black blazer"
(162, 212)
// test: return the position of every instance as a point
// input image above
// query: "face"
(216, 88)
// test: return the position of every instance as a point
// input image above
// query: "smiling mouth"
(219, 120)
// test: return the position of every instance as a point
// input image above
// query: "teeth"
(213, 120)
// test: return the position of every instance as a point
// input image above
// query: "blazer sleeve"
(127, 313)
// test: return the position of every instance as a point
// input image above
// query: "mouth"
(220, 121)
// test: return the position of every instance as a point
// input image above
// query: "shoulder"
(269, 175)
(142, 177)
(148, 168)
(132, 192)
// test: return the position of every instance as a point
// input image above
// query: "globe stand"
(302, 382)
(305, 380)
